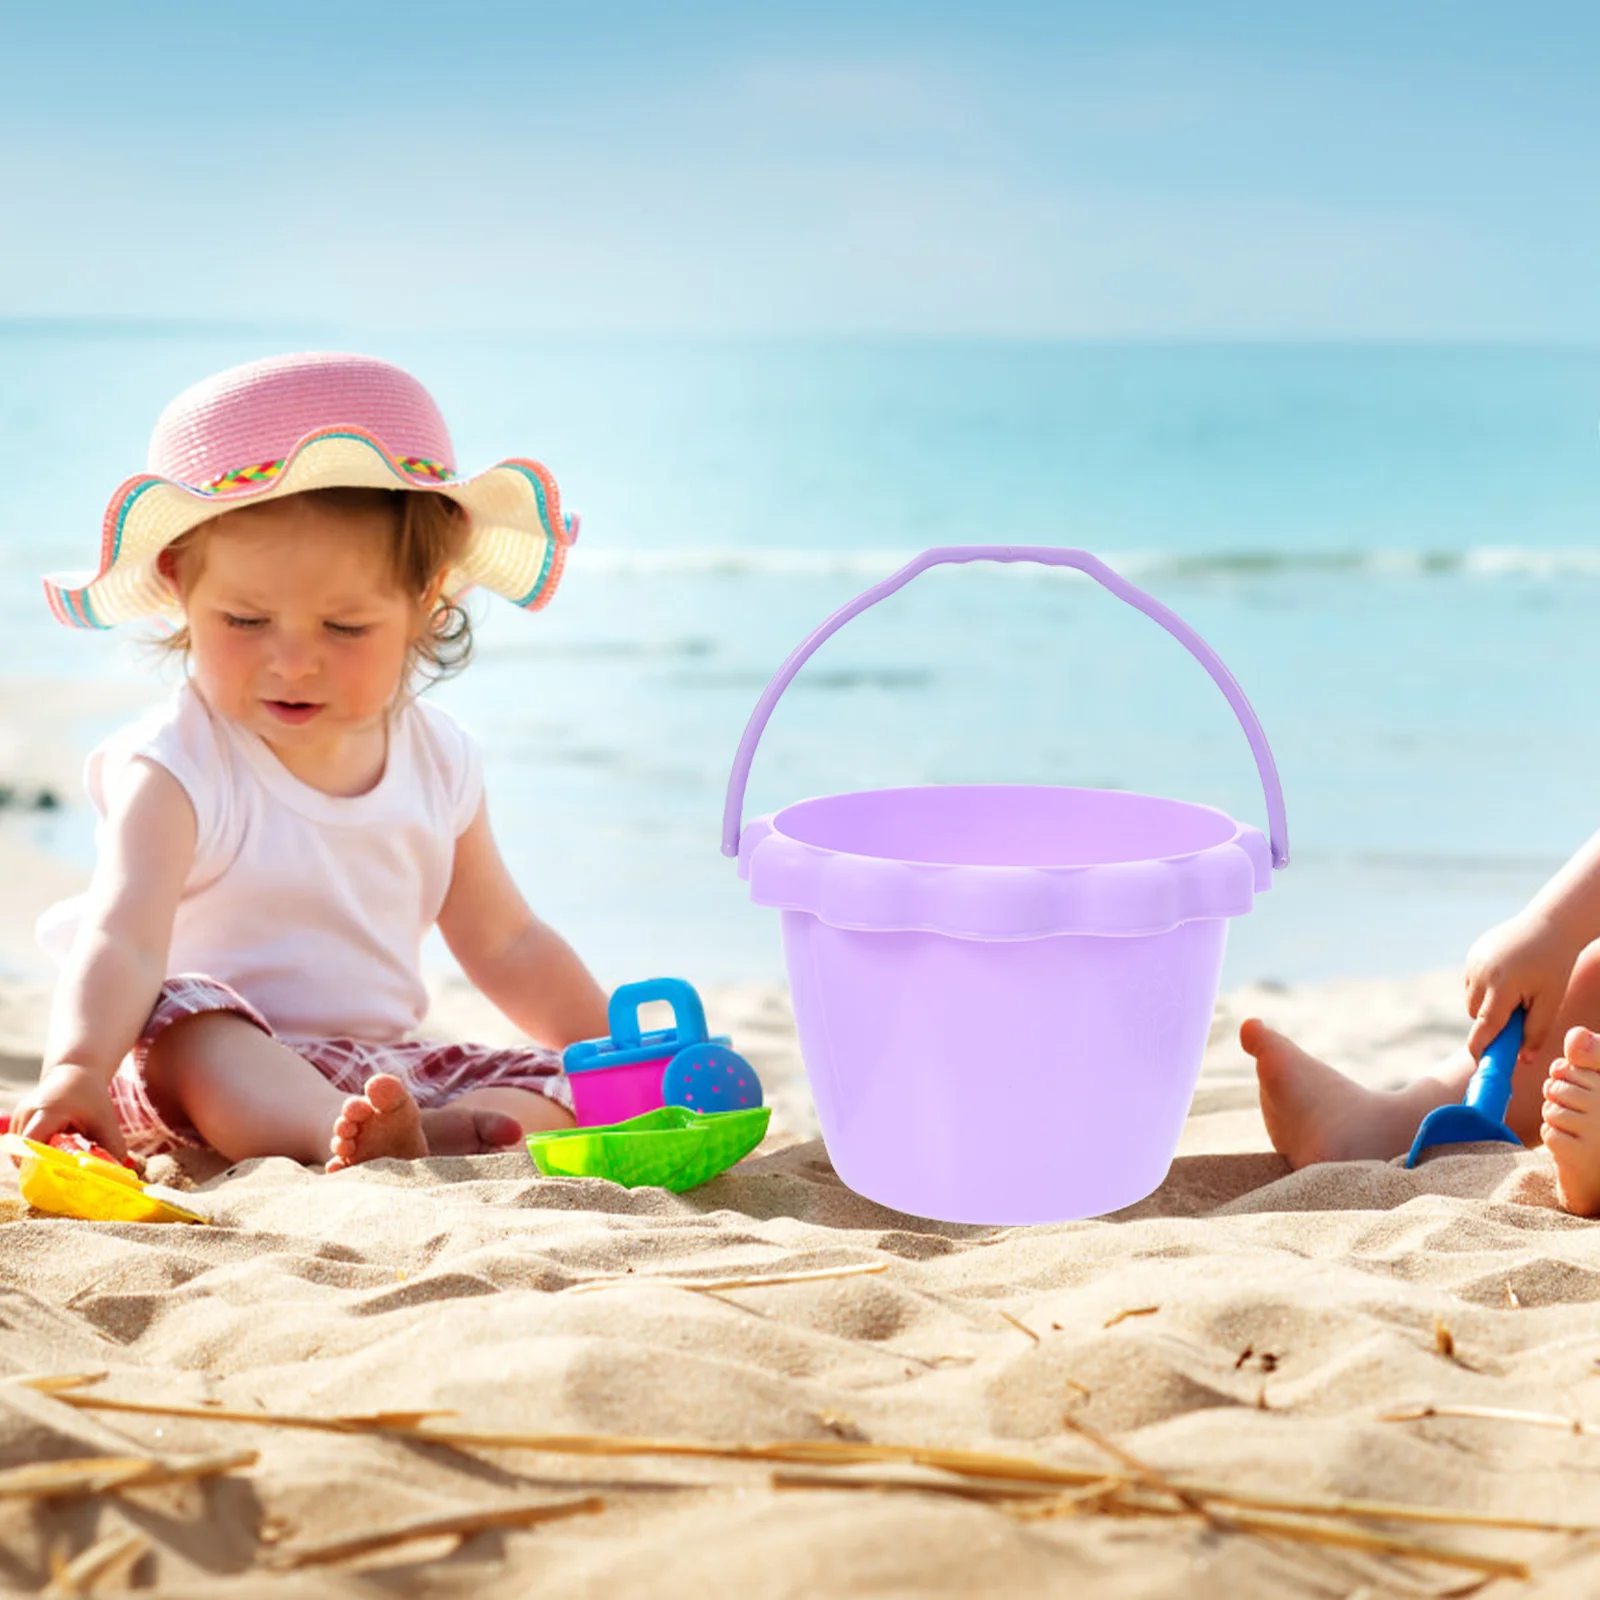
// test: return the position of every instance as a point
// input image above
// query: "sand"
(1244, 1326)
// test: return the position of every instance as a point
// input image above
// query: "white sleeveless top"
(313, 906)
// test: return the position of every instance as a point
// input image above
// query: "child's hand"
(70, 1097)
(1526, 961)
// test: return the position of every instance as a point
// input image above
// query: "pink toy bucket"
(599, 1098)
(1003, 992)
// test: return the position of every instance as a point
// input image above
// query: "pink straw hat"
(273, 428)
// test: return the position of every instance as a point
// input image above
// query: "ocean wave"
(1484, 561)
(1448, 864)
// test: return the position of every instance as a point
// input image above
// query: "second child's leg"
(1315, 1113)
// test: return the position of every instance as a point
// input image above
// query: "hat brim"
(518, 545)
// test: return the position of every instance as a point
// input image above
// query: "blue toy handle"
(1490, 1088)
(622, 1011)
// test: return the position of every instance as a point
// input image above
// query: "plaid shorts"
(434, 1070)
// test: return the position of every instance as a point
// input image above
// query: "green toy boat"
(672, 1147)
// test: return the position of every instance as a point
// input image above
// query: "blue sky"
(1192, 170)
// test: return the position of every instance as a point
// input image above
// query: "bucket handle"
(1050, 556)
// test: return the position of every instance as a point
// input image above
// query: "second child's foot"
(1313, 1112)
(1571, 1127)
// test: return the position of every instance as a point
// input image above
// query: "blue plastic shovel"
(1482, 1116)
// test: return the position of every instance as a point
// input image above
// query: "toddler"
(274, 842)
(1546, 958)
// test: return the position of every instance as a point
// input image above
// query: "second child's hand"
(1524, 962)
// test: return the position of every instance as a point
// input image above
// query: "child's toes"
(384, 1093)
(1571, 1085)
(1559, 1119)
(352, 1117)
(1573, 1141)
(1582, 1048)
(354, 1112)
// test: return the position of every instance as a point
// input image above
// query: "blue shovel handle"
(1490, 1088)
(1482, 1114)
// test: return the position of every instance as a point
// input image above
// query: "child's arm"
(524, 967)
(1528, 960)
(115, 968)
(1571, 899)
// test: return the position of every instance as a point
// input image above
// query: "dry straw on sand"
(1350, 1380)
(1032, 1489)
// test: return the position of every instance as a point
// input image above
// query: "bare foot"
(1571, 1127)
(382, 1120)
(1314, 1113)
(468, 1131)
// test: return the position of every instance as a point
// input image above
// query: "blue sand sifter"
(1482, 1116)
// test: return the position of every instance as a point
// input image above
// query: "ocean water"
(1392, 547)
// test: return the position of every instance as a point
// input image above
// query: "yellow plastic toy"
(69, 1184)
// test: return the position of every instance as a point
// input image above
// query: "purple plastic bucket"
(1003, 992)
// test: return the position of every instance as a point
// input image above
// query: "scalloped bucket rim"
(1127, 893)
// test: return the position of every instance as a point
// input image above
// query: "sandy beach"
(746, 1389)
(1245, 1332)
(456, 1377)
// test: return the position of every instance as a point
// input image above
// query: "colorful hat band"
(266, 471)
